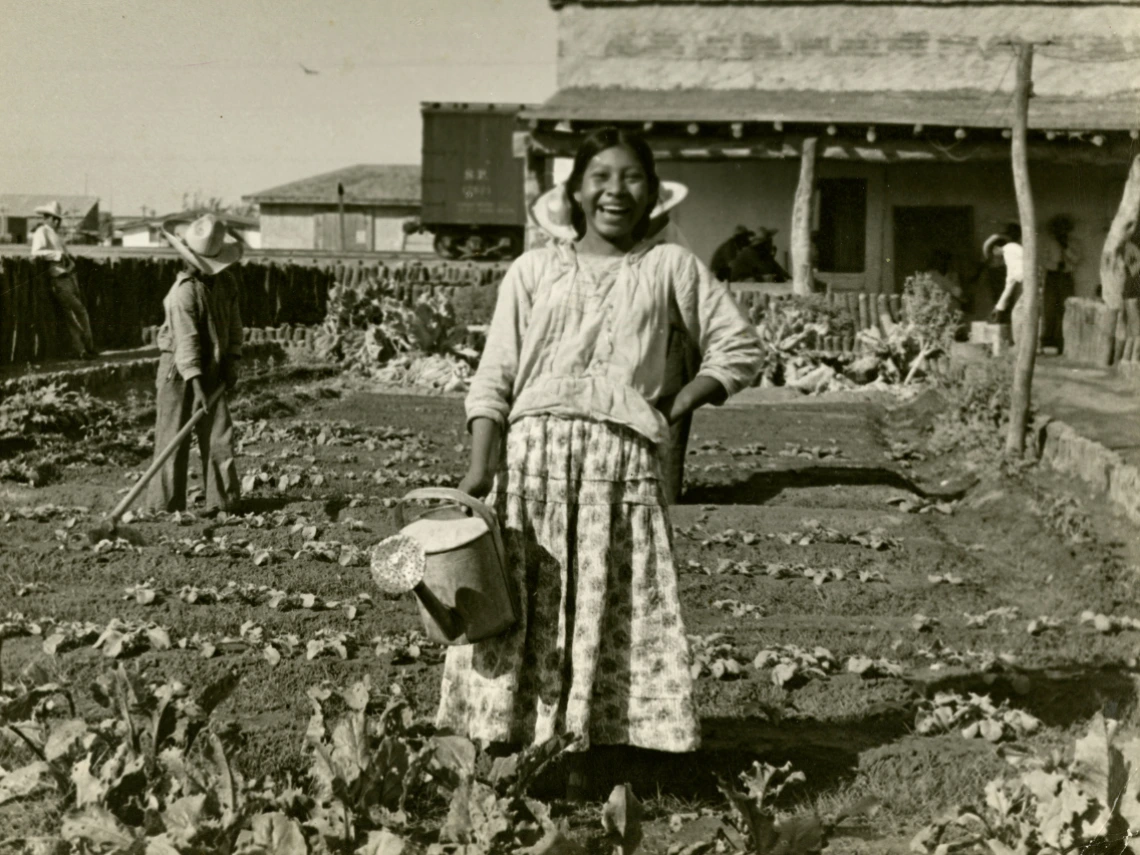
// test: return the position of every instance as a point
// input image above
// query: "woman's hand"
(667, 406)
(696, 393)
(476, 483)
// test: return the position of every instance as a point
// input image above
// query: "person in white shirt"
(1007, 246)
(48, 245)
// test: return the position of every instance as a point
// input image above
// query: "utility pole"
(340, 212)
(1027, 336)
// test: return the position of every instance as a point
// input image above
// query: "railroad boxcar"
(473, 201)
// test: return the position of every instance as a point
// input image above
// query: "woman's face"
(614, 195)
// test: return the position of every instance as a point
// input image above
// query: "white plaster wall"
(252, 238)
(287, 227)
(846, 48)
(388, 232)
(1090, 194)
(755, 193)
(724, 194)
(137, 237)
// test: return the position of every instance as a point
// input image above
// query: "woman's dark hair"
(1013, 232)
(594, 144)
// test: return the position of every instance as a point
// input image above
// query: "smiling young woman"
(568, 418)
(612, 192)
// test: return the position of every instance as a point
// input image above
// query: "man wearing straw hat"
(200, 345)
(48, 245)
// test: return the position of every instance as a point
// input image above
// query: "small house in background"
(378, 200)
(909, 106)
(147, 231)
(18, 217)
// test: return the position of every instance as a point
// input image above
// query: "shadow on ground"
(761, 487)
(1059, 696)
(832, 753)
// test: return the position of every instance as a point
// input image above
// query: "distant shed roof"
(24, 205)
(391, 184)
(957, 108)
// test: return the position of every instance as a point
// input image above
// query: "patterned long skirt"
(600, 650)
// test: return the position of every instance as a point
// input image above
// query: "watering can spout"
(447, 618)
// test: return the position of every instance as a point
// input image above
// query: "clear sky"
(141, 101)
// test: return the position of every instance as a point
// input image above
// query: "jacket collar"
(568, 252)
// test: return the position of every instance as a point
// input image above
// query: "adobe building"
(360, 208)
(911, 105)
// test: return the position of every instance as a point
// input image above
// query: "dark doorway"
(841, 238)
(922, 231)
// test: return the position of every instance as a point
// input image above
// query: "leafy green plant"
(51, 409)
(753, 825)
(364, 766)
(489, 811)
(1064, 516)
(713, 654)
(975, 716)
(792, 331)
(1088, 801)
(930, 316)
(137, 781)
(977, 411)
(792, 666)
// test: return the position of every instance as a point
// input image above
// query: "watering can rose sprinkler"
(452, 559)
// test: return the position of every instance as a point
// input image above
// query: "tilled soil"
(776, 495)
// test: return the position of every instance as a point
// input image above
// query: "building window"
(841, 233)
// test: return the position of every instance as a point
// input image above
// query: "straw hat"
(551, 210)
(1001, 239)
(202, 243)
(51, 209)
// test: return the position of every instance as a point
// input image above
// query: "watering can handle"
(450, 494)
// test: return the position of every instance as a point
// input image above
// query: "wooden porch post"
(1113, 274)
(1027, 335)
(803, 278)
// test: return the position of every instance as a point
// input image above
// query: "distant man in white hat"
(200, 345)
(47, 244)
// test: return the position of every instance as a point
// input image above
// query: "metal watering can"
(465, 594)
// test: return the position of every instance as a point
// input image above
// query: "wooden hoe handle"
(179, 438)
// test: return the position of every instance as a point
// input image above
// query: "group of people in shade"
(571, 415)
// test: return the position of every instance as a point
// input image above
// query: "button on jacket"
(202, 325)
(561, 344)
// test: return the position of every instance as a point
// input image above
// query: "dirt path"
(787, 536)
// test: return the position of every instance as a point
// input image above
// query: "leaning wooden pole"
(803, 277)
(1027, 335)
(1113, 270)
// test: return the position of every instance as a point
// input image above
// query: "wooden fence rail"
(124, 296)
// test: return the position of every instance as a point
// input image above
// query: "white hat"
(51, 209)
(990, 241)
(203, 243)
(552, 209)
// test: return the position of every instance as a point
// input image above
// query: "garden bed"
(813, 552)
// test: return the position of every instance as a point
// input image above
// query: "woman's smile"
(614, 195)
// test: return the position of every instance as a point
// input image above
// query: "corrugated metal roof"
(973, 108)
(391, 184)
(25, 204)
